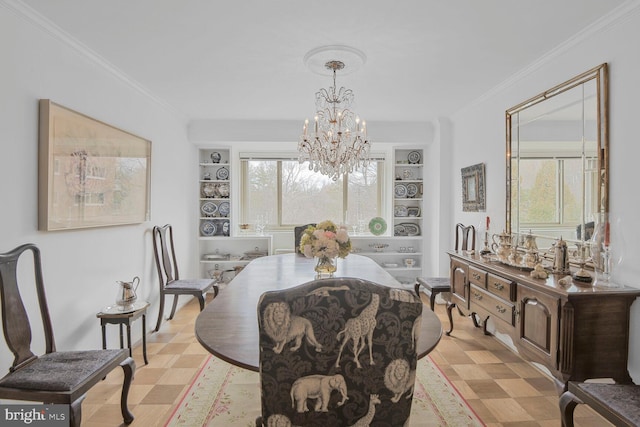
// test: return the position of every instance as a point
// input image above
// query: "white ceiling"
(244, 59)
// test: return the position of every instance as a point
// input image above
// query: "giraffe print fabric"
(338, 352)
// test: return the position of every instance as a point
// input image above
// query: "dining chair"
(466, 241)
(337, 352)
(55, 377)
(169, 277)
(297, 234)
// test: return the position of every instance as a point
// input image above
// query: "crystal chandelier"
(338, 141)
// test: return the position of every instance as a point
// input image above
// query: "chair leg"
(173, 309)
(160, 313)
(450, 307)
(75, 411)
(201, 301)
(432, 299)
(129, 368)
(568, 402)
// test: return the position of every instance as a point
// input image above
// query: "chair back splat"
(338, 352)
(169, 264)
(298, 231)
(55, 377)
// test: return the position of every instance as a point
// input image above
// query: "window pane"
(261, 191)
(363, 194)
(309, 196)
(572, 191)
(539, 195)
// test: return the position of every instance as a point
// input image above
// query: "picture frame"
(473, 188)
(91, 174)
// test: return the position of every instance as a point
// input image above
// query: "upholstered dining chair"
(56, 377)
(169, 277)
(297, 234)
(337, 352)
(466, 241)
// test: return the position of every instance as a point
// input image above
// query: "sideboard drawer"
(477, 277)
(496, 307)
(501, 287)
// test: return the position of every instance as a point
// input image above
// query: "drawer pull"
(498, 286)
(500, 309)
(477, 295)
(476, 276)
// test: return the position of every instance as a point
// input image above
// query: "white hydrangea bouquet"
(326, 241)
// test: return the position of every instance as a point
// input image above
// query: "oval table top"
(228, 325)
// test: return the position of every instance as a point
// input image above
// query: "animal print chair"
(337, 352)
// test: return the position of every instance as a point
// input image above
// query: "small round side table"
(118, 315)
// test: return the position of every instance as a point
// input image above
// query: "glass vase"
(606, 246)
(326, 266)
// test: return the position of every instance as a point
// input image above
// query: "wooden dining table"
(228, 325)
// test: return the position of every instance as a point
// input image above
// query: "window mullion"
(279, 193)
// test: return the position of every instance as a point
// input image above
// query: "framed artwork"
(91, 174)
(473, 188)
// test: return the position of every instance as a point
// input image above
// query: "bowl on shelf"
(378, 247)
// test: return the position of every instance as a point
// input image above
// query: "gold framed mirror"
(557, 173)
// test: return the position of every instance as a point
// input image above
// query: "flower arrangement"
(325, 240)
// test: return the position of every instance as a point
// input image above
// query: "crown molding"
(31, 16)
(605, 23)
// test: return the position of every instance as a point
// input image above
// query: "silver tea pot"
(127, 292)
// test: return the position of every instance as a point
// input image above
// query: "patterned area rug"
(225, 395)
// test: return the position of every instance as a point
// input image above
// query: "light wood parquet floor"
(502, 389)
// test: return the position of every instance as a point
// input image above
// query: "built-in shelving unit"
(222, 249)
(400, 249)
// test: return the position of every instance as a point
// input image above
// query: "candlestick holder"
(486, 250)
(606, 244)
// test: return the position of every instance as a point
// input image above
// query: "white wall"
(82, 266)
(479, 136)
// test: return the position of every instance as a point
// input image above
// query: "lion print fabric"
(338, 352)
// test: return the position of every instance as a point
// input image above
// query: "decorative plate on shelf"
(400, 210)
(208, 228)
(224, 209)
(209, 209)
(222, 173)
(226, 227)
(414, 157)
(377, 226)
(216, 157)
(413, 211)
(399, 230)
(412, 190)
(400, 190)
(223, 190)
(411, 229)
(208, 190)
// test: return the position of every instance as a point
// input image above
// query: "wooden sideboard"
(577, 332)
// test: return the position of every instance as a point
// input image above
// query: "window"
(558, 178)
(286, 193)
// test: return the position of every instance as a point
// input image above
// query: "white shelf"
(405, 254)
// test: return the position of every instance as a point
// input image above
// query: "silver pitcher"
(127, 292)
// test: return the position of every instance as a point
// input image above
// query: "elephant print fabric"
(338, 352)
